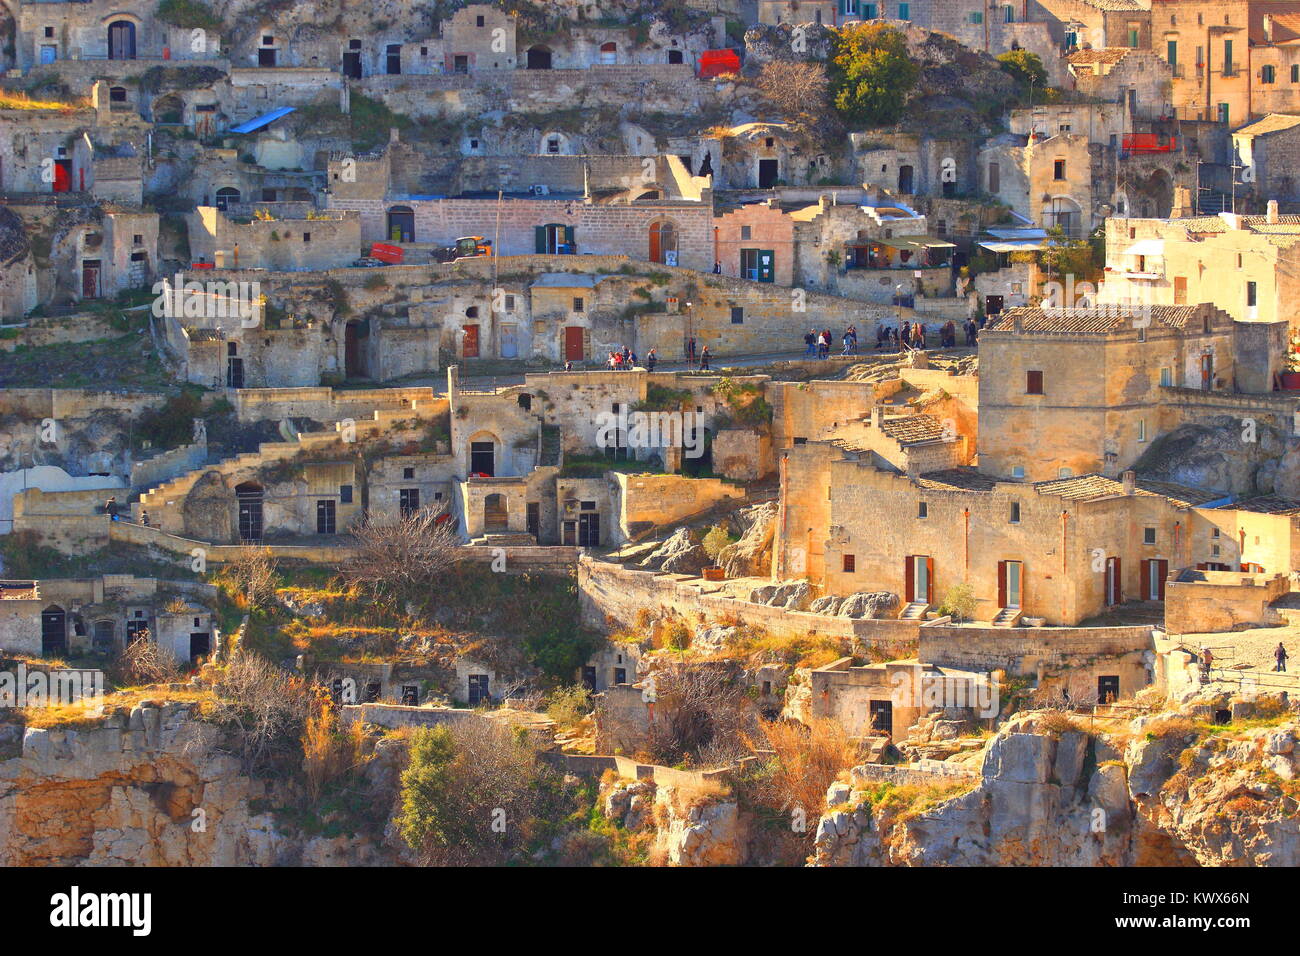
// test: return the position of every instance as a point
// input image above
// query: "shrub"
(567, 706)
(871, 74)
(716, 540)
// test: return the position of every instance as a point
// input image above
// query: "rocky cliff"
(155, 786)
(1165, 789)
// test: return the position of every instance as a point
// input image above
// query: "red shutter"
(1119, 584)
(929, 580)
(1202, 566)
(908, 591)
(1162, 567)
(1002, 585)
(1144, 583)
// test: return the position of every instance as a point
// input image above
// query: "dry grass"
(88, 712)
(21, 101)
(330, 751)
(807, 760)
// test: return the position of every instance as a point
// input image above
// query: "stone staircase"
(1008, 617)
(914, 611)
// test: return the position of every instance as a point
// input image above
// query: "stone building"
(1244, 265)
(1048, 181)
(1074, 391)
(18, 287)
(1061, 550)
(1269, 152)
(328, 240)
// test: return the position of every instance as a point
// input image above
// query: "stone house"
(69, 617)
(1135, 78)
(914, 164)
(1244, 265)
(1062, 550)
(1075, 391)
(890, 698)
(326, 240)
(1096, 24)
(18, 284)
(1048, 181)
(1269, 151)
(756, 241)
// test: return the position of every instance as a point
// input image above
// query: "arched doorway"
(663, 242)
(538, 57)
(609, 53)
(355, 334)
(249, 495)
(1064, 212)
(401, 224)
(227, 196)
(121, 40)
(496, 517)
(482, 455)
(54, 631)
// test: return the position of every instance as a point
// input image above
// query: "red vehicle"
(393, 255)
(717, 62)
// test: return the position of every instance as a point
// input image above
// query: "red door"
(90, 280)
(573, 350)
(929, 580)
(909, 583)
(1207, 372)
(471, 342)
(62, 176)
(1002, 584)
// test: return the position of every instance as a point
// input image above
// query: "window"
(553, 145)
(408, 501)
(1064, 473)
(1148, 535)
(977, 17)
(1034, 383)
(1214, 533)
(1180, 290)
(1142, 429)
(1018, 471)
(1295, 73)
(345, 494)
(1227, 58)
(850, 563)
(1166, 377)
(306, 237)
(1214, 551)
(1142, 333)
(737, 315)
(922, 509)
(1058, 169)
(49, 32)
(904, 11)
(995, 177)
(1171, 52)
(408, 474)
(746, 232)
(478, 21)
(1014, 517)
(325, 516)
(1132, 36)
(578, 304)
(137, 240)
(1268, 74)
(1250, 295)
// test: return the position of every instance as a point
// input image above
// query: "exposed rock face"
(751, 556)
(148, 787)
(680, 554)
(791, 595)
(1146, 797)
(1215, 456)
(867, 604)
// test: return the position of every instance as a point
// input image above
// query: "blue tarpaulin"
(264, 120)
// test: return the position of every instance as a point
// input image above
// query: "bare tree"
(142, 661)
(700, 712)
(264, 706)
(254, 574)
(403, 557)
(797, 89)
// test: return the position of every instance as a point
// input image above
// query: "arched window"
(609, 53)
(663, 243)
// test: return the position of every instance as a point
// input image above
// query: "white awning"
(1027, 245)
(1146, 247)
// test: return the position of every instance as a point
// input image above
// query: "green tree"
(1025, 67)
(871, 74)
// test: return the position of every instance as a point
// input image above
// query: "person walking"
(690, 350)
(905, 337)
(1207, 662)
(811, 341)
(1279, 655)
(650, 360)
(704, 360)
(822, 346)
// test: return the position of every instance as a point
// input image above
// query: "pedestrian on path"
(1280, 656)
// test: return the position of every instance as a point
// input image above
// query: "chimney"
(1130, 482)
(877, 415)
(1017, 323)
(1272, 212)
(1268, 28)
(1182, 207)
(823, 202)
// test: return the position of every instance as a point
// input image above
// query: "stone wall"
(1222, 601)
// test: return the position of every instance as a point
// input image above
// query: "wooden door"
(471, 342)
(573, 344)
